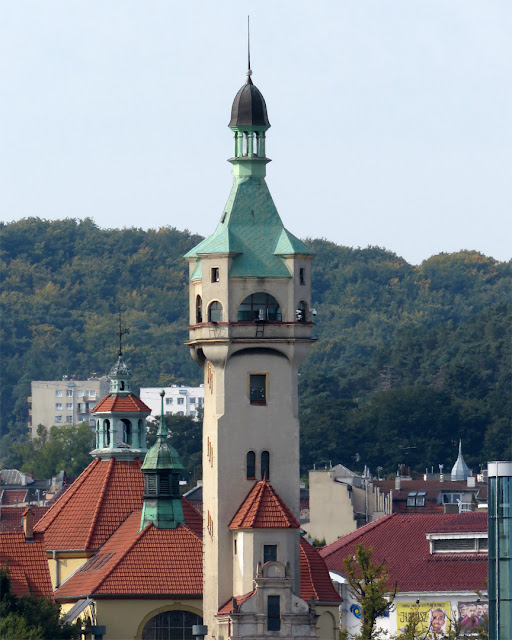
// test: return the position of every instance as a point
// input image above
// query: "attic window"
(416, 499)
(458, 543)
(451, 498)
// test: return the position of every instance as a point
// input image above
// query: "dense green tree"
(31, 618)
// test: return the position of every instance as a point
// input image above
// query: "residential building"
(340, 501)
(64, 402)
(437, 562)
(180, 400)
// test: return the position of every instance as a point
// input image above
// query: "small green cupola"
(120, 378)
(249, 122)
(162, 468)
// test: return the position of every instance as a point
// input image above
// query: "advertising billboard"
(432, 618)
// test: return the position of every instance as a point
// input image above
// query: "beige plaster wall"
(330, 508)
(327, 625)
(64, 565)
(125, 618)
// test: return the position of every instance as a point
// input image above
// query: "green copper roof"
(162, 455)
(252, 231)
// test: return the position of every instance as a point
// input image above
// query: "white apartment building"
(179, 400)
(64, 402)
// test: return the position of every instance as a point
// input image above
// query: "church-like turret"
(162, 467)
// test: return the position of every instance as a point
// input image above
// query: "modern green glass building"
(500, 550)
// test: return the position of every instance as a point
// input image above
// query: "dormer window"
(416, 499)
(458, 542)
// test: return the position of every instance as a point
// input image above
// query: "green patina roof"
(162, 456)
(252, 230)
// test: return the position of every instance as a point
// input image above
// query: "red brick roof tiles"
(116, 403)
(94, 506)
(12, 497)
(10, 518)
(227, 608)
(401, 541)
(314, 576)
(150, 562)
(27, 564)
(263, 508)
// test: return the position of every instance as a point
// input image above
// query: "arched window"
(142, 433)
(265, 465)
(301, 311)
(171, 625)
(251, 464)
(127, 431)
(215, 312)
(259, 307)
(199, 310)
(106, 433)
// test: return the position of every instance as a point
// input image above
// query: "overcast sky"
(390, 119)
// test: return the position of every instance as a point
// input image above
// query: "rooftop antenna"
(122, 332)
(249, 70)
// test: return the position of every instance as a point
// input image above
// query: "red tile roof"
(193, 519)
(227, 608)
(150, 562)
(121, 404)
(263, 508)
(27, 564)
(401, 541)
(94, 506)
(13, 496)
(314, 576)
(10, 518)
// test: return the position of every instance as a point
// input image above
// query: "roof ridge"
(92, 526)
(138, 536)
(279, 501)
(62, 502)
(303, 543)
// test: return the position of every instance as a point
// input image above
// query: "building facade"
(180, 400)
(64, 402)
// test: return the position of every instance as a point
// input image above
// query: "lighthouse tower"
(250, 329)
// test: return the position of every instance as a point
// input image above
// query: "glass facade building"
(500, 551)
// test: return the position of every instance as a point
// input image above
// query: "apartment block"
(64, 402)
(179, 400)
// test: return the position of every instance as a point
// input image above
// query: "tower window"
(164, 485)
(215, 312)
(300, 312)
(265, 465)
(258, 388)
(259, 307)
(215, 274)
(199, 310)
(273, 613)
(269, 553)
(302, 275)
(251, 465)
(150, 484)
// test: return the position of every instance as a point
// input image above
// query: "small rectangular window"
(69, 406)
(273, 614)
(80, 393)
(215, 274)
(58, 393)
(69, 418)
(181, 400)
(258, 388)
(269, 553)
(69, 393)
(192, 400)
(92, 393)
(58, 419)
(168, 401)
(58, 406)
(302, 275)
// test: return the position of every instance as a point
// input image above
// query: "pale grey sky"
(390, 119)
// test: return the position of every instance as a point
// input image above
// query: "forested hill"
(409, 358)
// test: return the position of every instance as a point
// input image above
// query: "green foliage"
(413, 352)
(61, 448)
(369, 585)
(31, 618)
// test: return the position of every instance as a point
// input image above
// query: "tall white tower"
(250, 329)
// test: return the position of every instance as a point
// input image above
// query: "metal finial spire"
(162, 428)
(249, 70)
(122, 332)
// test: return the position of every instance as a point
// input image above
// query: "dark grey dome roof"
(249, 108)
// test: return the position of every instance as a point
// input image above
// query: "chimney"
(397, 483)
(28, 524)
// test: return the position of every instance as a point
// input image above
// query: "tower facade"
(250, 329)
